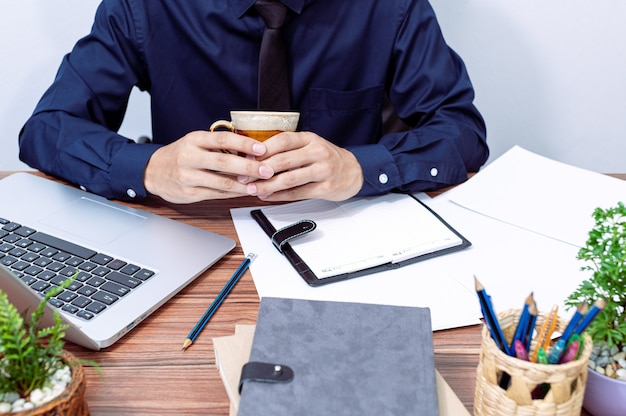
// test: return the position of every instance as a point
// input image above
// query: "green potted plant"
(604, 255)
(37, 376)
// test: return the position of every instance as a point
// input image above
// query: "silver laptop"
(125, 262)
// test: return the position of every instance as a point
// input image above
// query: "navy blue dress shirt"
(198, 59)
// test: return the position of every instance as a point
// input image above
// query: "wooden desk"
(146, 373)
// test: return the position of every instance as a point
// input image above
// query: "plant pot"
(604, 396)
(69, 403)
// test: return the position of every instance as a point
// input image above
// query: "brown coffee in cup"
(259, 125)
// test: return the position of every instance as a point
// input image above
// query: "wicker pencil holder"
(567, 381)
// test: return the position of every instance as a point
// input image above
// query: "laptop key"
(61, 256)
(130, 269)
(36, 247)
(55, 266)
(87, 266)
(49, 251)
(115, 288)
(86, 314)
(95, 281)
(11, 238)
(46, 275)
(68, 271)
(17, 252)
(67, 296)
(8, 260)
(30, 257)
(74, 286)
(144, 274)
(33, 270)
(87, 290)
(24, 242)
(74, 261)
(95, 307)
(124, 280)
(116, 264)
(82, 277)
(58, 280)
(24, 231)
(63, 245)
(100, 271)
(101, 259)
(104, 297)
(40, 286)
(70, 309)
(42, 261)
(29, 280)
(19, 265)
(11, 226)
(81, 302)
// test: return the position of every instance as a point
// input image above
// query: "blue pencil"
(561, 344)
(522, 325)
(490, 317)
(218, 301)
(532, 320)
(597, 307)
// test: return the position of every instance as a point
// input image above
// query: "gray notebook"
(346, 358)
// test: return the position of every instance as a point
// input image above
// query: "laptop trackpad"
(92, 220)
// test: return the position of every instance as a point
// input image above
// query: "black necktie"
(273, 75)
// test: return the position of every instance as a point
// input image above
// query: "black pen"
(218, 300)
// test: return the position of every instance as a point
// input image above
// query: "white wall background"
(34, 36)
(550, 75)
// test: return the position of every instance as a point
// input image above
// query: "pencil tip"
(186, 344)
(477, 284)
(530, 299)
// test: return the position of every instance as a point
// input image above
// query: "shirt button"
(383, 178)
(434, 172)
(82, 188)
(131, 193)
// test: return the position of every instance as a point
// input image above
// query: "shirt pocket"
(344, 117)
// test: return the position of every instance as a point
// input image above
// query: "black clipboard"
(309, 276)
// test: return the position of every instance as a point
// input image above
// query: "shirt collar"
(240, 7)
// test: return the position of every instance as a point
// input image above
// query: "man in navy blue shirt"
(199, 59)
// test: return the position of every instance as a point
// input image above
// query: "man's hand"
(306, 166)
(203, 165)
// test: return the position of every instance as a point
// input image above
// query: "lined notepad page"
(363, 232)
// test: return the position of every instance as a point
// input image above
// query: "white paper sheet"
(540, 194)
(512, 262)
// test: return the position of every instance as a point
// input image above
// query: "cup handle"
(222, 123)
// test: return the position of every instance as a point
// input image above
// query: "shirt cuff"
(383, 174)
(127, 170)
(380, 173)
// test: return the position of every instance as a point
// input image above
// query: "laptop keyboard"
(43, 261)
